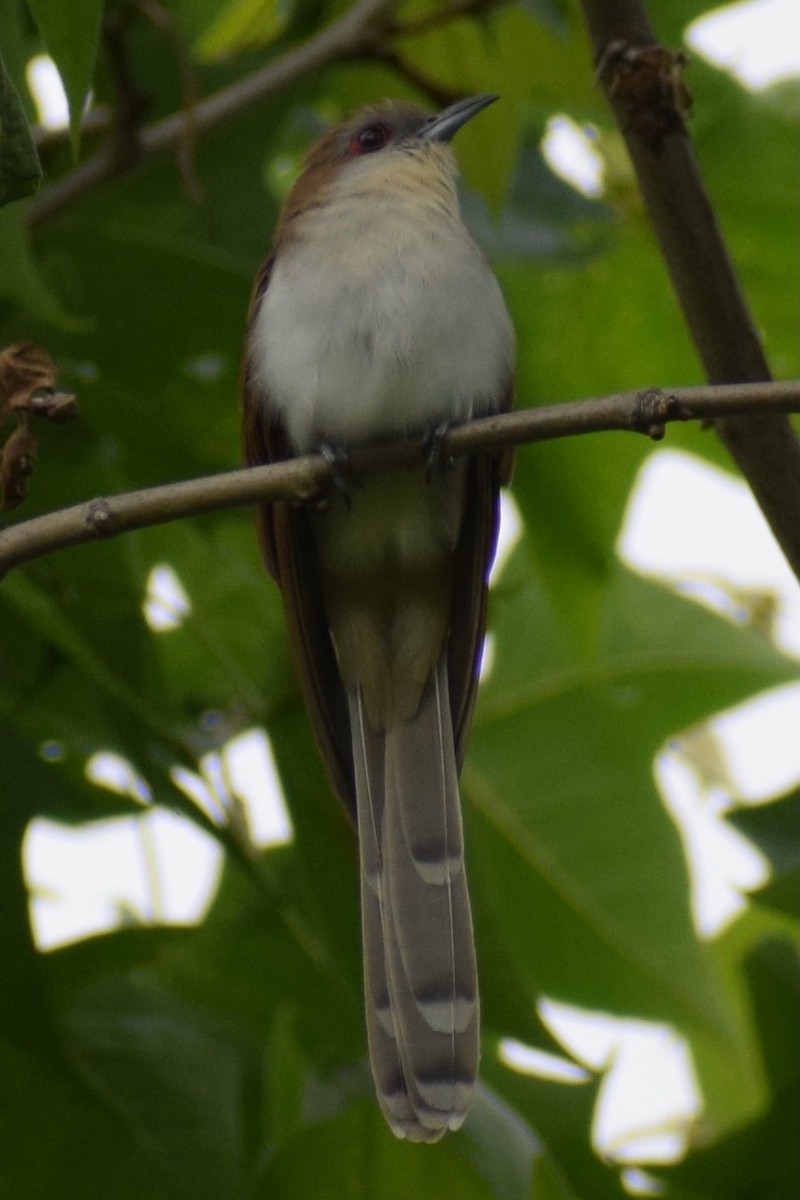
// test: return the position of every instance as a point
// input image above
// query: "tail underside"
(420, 977)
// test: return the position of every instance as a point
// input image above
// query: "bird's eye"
(371, 137)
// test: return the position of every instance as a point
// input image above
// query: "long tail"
(420, 978)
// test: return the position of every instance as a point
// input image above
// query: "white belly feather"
(407, 330)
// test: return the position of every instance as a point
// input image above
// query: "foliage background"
(228, 1060)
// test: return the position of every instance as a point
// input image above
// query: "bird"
(376, 316)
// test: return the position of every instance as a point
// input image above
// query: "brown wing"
(290, 555)
(474, 556)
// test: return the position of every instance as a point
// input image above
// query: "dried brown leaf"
(17, 461)
(24, 369)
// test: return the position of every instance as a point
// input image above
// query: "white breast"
(381, 316)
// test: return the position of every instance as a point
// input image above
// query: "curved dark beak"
(444, 126)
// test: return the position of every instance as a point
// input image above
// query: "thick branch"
(300, 479)
(643, 86)
(351, 33)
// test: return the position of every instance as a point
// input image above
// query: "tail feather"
(419, 962)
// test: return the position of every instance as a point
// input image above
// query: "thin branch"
(352, 32)
(97, 120)
(300, 479)
(644, 87)
(162, 19)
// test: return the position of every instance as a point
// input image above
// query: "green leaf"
(732, 126)
(242, 24)
(774, 827)
(61, 1141)
(504, 55)
(562, 803)
(71, 34)
(782, 893)
(508, 1153)
(562, 1116)
(147, 1057)
(25, 1018)
(228, 653)
(759, 1158)
(354, 1154)
(572, 493)
(22, 280)
(20, 171)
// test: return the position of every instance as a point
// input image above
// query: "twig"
(644, 87)
(646, 412)
(162, 19)
(341, 39)
(97, 120)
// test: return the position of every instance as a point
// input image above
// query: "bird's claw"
(436, 453)
(340, 472)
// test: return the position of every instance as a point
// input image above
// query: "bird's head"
(391, 144)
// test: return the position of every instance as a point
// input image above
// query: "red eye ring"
(369, 139)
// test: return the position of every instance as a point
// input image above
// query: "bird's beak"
(444, 126)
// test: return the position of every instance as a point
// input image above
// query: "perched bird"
(376, 316)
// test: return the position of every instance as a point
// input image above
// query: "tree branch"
(300, 479)
(352, 33)
(645, 90)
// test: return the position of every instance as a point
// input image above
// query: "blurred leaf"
(243, 24)
(760, 1159)
(759, 205)
(25, 1017)
(562, 1116)
(228, 652)
(782, 893)
(354, 1154)
(511, 55)
(85, 1149)
(551, 13)
(573, 492)
(20, 172)
(148, 1058)
(563, 803)
(71, 33)
(508, 1153)
(286, 1068)
(774, 827)
(22, 280)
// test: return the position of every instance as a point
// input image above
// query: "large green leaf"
(148, 1057)
(759, 1158)
(60, 1140)
(71, 33)
(562, 1115)
(353, 1153)
(572, 845)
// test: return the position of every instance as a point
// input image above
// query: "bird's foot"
(436, 453)
(342, 479)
